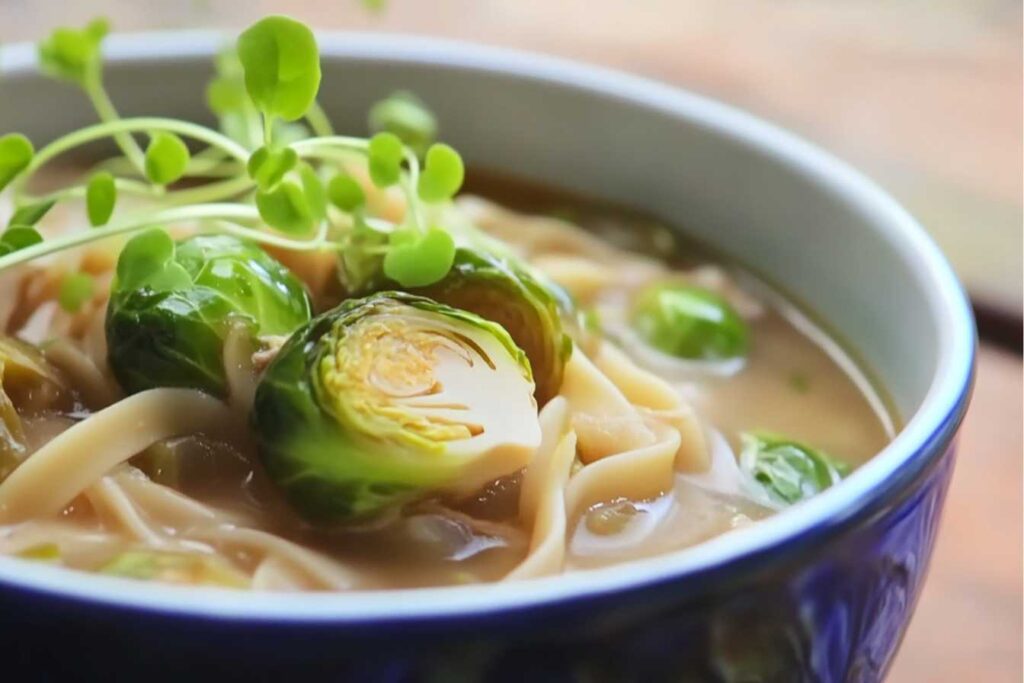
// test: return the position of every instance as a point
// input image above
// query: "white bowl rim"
(929, 428)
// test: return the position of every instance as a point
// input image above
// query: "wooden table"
(926, 97)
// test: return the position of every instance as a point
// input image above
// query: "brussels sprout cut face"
(171, 308)
(390, 398)
(527, 308)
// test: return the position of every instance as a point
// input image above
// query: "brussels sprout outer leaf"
(170, 312)
(282, 66)
(786, 471)
(334, 468)
(689, 322)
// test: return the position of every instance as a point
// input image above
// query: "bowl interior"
(805, 221)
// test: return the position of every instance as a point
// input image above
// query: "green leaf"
(31, 214)
(73, 54)
(268, 166)
(419, 260)
(442, 174)
(144, 256)
(405, 115)
(385, 159)
(75, 290)
(785, 470)
(16, 153)
(166, 158)
(282, 66)
(345, 193)
(100, 197)
(19, 237)
(226, 95)
(296, 204)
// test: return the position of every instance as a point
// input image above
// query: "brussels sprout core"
(390, 398)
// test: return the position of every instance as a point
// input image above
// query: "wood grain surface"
(924, 96)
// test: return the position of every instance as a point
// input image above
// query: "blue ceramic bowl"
(821, 592)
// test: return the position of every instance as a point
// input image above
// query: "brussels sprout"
(390, 398)
(786, 471)
(28, 381)
(527, 306)
(171, 307)
(689, 322)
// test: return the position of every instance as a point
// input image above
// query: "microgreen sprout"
(275, 173)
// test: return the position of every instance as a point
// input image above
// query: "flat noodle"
(648, 391)
(96, 386)
(642, 473)
(115, 510)
(554, 422)
(547, 545)
(51, 477)
(606, 423)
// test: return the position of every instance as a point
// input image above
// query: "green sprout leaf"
(19, 237)
(32, 214)
(345, 193)
(385, 159)
(282, 66)
(268, 166)
(147, 260)
(100, 197)
(75, 290)
(296, 204)
(15, 154)
(419, 260)
(787, 471)
(74, 54)
(406, 116)
(166, 158)
(442, 174)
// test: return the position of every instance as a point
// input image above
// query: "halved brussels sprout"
(786, 471)
(171, 308)
(529, 308)
(689, 322)
(389, 398)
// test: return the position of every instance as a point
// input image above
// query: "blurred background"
(925, 96)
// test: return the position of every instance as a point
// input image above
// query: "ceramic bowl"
(820, 592)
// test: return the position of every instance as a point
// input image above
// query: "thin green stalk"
(318, 121)
(108, 113)
(233, 212)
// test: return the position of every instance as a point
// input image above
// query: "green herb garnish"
(262, 177)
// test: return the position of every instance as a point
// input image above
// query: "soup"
(296, 361)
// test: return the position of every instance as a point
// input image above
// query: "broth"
(795, 381)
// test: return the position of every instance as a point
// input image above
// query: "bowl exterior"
(829, 611)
